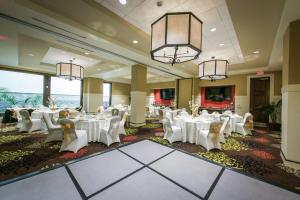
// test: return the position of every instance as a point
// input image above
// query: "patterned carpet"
(258, 155)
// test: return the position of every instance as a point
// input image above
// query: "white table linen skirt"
(93, 128)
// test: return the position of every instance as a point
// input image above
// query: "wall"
(151, 86)
(120, 93)
(242, 88)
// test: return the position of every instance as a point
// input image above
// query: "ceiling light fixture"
(213, 29)
(176, 38)
(86, 53)
(69, 71)
(256, 52)
(123, 2)
(31, 54)
(135, 41)
(215, 69)
(221, 45)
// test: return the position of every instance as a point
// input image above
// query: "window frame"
(110, 93)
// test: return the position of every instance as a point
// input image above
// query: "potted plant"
(273, 110)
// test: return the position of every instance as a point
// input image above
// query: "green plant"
(272, 110)
(26, 101)
(36, 100)
(6, 97)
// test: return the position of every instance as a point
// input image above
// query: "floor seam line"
(212, 187)
(75, 182)
(115, 182)
(174, 182)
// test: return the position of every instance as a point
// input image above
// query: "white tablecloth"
(93, 127)
(189, 127)
(38, 114)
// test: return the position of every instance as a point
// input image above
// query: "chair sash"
(69, 131)
(114, 127)
(25, 115)
(248, 125)
(214, 131)
(63, 114)
(114, 112)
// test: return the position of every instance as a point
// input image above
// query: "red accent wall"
(159, 101)
(223, 104)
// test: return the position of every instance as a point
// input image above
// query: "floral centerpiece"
(193, 107)
(51, 103)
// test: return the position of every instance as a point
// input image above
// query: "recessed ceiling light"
(86, 53)
(123, 2)
(135, 41)
(213, 29)
(222, 44)
(31, 54)
(256, 52)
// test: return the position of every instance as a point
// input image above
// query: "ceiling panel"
(213, 13)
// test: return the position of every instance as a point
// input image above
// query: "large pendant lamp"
(176, 38)
(69, 71)
(215, 69)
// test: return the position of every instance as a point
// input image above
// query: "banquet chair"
(100, 109)
(172, 133)
(73, 140)
(168, 115)
(63, 114)
(111, 135)
(161, 115)
(114, 112)
(246, 126)
(29, 124)
(211, 139)
(55, 132)
(122, 124)
(228, 128)
(228, 112)
(184, 113)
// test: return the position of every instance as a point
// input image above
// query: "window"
(65, 93)
(20, 89)
(106, 94)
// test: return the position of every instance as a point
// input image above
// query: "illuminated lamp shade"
(176, 38)
(69, 71)
(213, 70)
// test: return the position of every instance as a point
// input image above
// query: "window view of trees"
(65, 93)
(20, 90)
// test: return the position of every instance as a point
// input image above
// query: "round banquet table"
(92, 127)
(189, 127)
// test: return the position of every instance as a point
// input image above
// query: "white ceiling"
(54, 56)
(213, 13)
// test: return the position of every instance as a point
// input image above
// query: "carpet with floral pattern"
(257, 155)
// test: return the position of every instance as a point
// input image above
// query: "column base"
(289, 163)
(137, 124)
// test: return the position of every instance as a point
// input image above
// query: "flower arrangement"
(51, 103)
(193, 107)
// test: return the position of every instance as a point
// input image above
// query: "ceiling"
(99, 34)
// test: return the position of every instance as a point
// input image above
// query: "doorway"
(259, 96)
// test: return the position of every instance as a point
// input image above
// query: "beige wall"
(291, 63)
(120, 93)
(120, 89)
(240, 83)
(160, 85)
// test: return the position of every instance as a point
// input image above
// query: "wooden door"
(259, 96)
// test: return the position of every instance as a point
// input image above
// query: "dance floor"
(141, 170)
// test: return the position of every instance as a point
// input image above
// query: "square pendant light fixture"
(213, 69)
(69, 71)
(176, 38)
